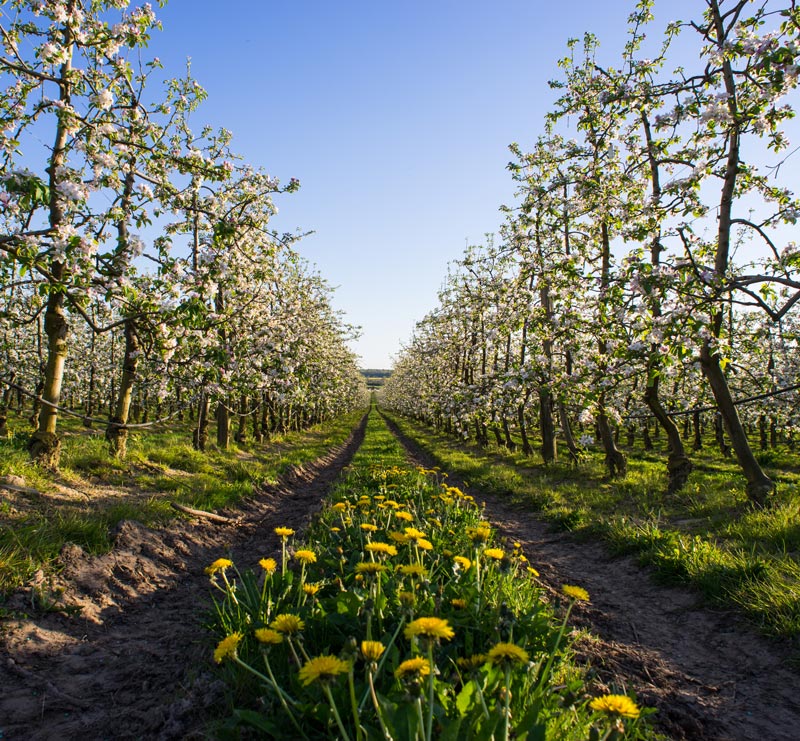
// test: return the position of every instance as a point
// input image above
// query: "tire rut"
(706, 671)
(137, 663)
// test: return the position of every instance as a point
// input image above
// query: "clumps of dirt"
(120, 651)
(708, 674)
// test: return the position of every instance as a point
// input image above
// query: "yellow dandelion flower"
(369, 527)
(479, 534)
(311, 589)
(463, 563)
(532, 571)
(620, 705)
(339, 507)
(407, 598)
(372, 650)
(399, 538)
(268, 636)
(382, 548)
(496, 553)
(370, 567)
(335, 529)
(379, 497)
(226, 648)
(458, 603)
(284, 532)
(413, 533)
(471, 663)
(426, 545)
(413, 569)
(219, 565)
(407, 516)
(429, 627)
(413, 669)
(577, 593)
(305, 556)
(506, 654)
(322, 669)
(287, 623)
(268, 564)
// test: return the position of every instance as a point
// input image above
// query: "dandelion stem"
(353, 703)
(375, 702)
(507, 708)
(336, 715)
(421, 718)
(383, 660)
(282, 697)
(294, 652)
(431, 683)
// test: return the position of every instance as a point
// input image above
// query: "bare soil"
(130, 658)
(124, 653)
(707, 672)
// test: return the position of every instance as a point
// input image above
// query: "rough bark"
(116, 431)
(678, 464)
(759, 486)
(223, 426)
(44, 445)
(200, 435)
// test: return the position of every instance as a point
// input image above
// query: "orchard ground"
(112, 644)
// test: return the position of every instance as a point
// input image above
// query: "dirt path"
(136, 663)
(708, 674)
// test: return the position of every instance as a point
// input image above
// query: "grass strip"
(707, 537)
(400, 614)
(161, 467)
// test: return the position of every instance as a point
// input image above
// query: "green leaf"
(467, 698)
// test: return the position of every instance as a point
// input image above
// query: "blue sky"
(395, 116)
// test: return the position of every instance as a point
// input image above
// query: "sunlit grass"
(402, 561)
(161, 467)
(708, 536)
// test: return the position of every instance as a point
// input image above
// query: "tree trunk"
(200, 436)
(566, 430)
(44, 445)
(678, 464)
(223, 426)
(549, 448)
(241, 427)
(647, 441)
(759, 486)
(719, 435)
(507, 434)
(116, 431)
(4, 405)
(698, 431)
(526, 446)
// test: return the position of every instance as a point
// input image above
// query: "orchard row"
(645, 273)
(216, 311)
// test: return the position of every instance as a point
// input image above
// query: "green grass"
(708, 536)
(161, 467)
(491, 602)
